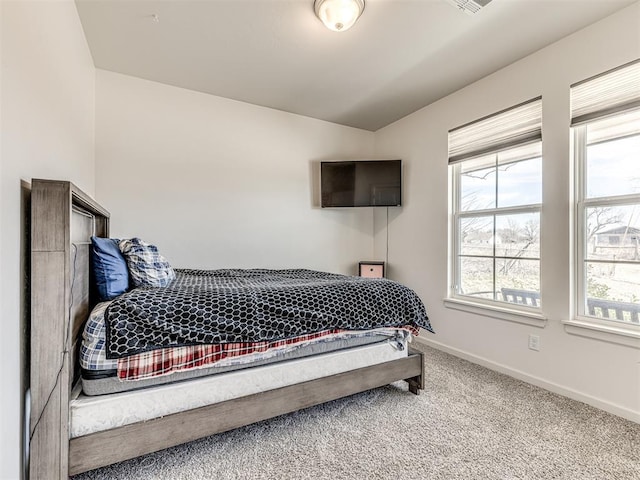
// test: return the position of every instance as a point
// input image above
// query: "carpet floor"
(469, 423)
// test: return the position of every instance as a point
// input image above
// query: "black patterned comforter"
(226, 306)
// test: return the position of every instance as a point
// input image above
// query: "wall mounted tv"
(361, 183)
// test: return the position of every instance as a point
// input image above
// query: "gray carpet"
(470, 423)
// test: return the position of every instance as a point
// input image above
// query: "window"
(496, 166)
(606, 136)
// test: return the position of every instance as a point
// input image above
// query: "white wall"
(47, 98)
(217, 183)
(603, 374)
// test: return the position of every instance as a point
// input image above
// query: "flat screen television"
(361, 183)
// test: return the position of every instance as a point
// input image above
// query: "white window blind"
(506, 129)
(609, 93)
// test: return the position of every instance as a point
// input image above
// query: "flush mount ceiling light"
(338, 15)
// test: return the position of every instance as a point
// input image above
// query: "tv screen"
(361, 183)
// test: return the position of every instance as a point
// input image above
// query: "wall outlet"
(534, 342)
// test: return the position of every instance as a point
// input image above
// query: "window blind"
(502, 130)
(609, 93)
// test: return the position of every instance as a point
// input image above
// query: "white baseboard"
(538, 382)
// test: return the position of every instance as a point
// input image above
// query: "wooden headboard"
(63, 218)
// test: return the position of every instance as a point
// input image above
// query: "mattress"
(101, 384)
(90, 414)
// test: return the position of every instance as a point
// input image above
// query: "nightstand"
(371, 269)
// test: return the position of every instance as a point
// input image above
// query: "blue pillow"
(109, 268)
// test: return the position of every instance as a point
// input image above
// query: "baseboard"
(538, 382)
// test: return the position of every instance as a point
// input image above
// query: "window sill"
(532, 318)
(607, 331)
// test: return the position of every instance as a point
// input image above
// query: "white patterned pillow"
(147, 267)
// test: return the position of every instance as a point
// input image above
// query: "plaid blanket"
(249, 306)
(169, 360)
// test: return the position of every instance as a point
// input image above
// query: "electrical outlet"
(534, 342)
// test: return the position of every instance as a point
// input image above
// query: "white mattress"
(94, 414)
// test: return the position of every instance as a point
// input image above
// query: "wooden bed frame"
(60, 303)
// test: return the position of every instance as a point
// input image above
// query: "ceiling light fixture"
(338, 15)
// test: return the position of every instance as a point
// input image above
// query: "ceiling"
(400, 56)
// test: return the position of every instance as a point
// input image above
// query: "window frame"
(531, 315)
(581, 317)
(607, 94)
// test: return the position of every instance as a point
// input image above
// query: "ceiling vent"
(469, 7)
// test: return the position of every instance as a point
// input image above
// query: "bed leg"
(415, 385)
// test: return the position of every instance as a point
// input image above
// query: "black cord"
(66, 344)
(387, 254)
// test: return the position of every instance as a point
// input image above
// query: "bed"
(72, 431)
